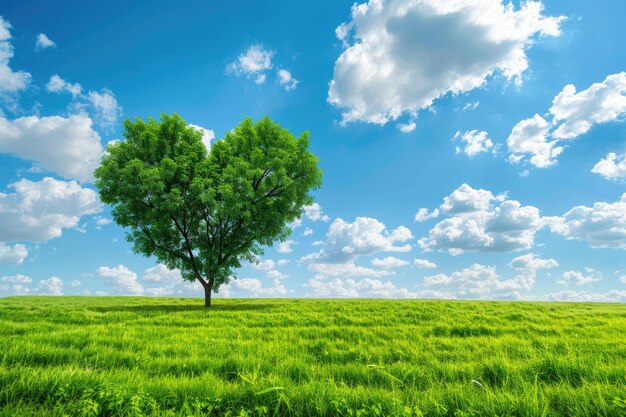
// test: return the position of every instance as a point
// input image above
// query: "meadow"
(133, 356)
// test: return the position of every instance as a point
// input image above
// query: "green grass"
(153, 356)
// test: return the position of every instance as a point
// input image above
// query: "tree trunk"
(207, 295)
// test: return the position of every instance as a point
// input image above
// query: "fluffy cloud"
(349, 269)
(264, 265)
(475, 142)
(580, 278)
(122, 278)
(603, 225)
(256, 287)
(477, 220)
(207, 135)
(531, 263)
(253, 63)
(424, 264)
(43, 42)
(162, 274)
(349, 288)
(106, 108)
(286, 80)
(38, 211)
(612, 167)
(315, 213)
(393, 64)
(50, 286)
(389, 262)
(612, 296)
(13, 255)
(573, 114)
(10, 81)
(67, 146)
(422, 215)
(406, 127)
(285, 247)
(56, 84)
(365, 236)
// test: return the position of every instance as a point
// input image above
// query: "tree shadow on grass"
(173, 308)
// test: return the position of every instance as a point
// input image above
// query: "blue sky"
(474, 151)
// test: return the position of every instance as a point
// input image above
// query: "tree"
(201, 211)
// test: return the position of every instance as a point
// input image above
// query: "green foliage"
(204, 212)
(106, 356)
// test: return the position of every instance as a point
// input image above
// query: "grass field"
(154, 356)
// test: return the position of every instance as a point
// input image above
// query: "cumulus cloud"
(207, 135)
(10, 81)
(573, 114)
(264, 265)
(603, 225)
(349, 288)
(422, 215)
(105, 106)
(580, 278)
(123, 279)
(315, 213)
(162, 274)
(612, 167)
(254, 62)
(286, 80)
(393, 64)
(50, 286)
(67, 146)
(285, 247)
(43, 42)
(56, 84)
(39, 211)
(424, 264)
(365, 236)
(19, 285)
(257, 289)
(13, 255)
(478, 220)
(474, 142)
(348, 269)
(531, 263)
(613, 296)
(389, 262)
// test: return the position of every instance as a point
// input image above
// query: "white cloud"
(161, 273)
(389, 262)
(480, 221)
(253, 63)
(307, 232)
(10, 81)
(612, 167)
(286, 80)
(580, 278)
(50, 286)
(105, 106)
(75, 283)
(348, 269)
(16, 279)
(264, 265)
(531, 263)
(274, 274)
(393, 64)
(43, 42)
(256, 287)
(282, 262)
(424, 263)
(573, 114)
(285, 247)
(122, 278)
(603, 225)
(56, 84)
(207, 135)
(422, 215)
(13, 255)
(406, 127)
(475, 142)
(349, 288)
(471, 106)
(612, 296)
(39, 211)
(67, 146)
(315, 213)
(365, 236)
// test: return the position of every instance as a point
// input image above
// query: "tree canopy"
(205, 211)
